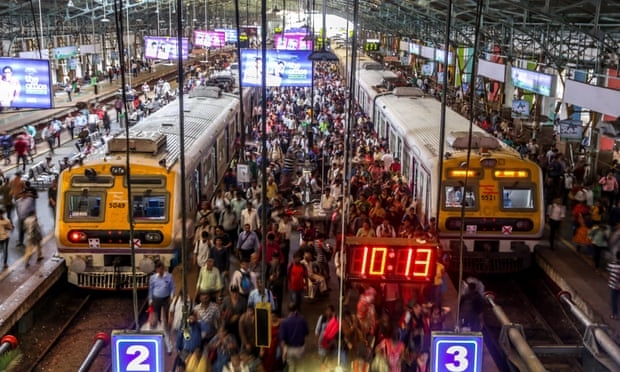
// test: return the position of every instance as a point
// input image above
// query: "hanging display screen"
(411, 261)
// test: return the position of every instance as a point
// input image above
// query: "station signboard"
(133, 352)
(452, 352)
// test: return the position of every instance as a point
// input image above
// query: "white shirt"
(249, 217)
(556, 212)
(201, 250)
(384, 231)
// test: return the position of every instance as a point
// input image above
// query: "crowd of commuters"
(305, 166)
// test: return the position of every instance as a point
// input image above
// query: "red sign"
(387, 262)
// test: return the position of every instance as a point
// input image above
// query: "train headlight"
(78, 265)
(153, 237)
(76, 236)
(147, 265)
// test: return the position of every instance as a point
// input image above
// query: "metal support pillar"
(7, 343)
(101, 340)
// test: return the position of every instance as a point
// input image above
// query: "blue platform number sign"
(137, 352)
(452, 352)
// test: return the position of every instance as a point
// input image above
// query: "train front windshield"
(456, 195)
(517, 198)
(84, 206)
(152, 207)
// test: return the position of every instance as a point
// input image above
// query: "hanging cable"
(118, 22)
(471, 125)
(346, 168)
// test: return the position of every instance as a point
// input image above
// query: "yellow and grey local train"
(501, 193)
(94, 206)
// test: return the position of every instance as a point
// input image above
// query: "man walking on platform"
(556, 212)
(161, 291)
(293, 332)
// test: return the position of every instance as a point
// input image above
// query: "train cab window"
(456, 195)
(83, 206)
(513, 198)
(150, 207)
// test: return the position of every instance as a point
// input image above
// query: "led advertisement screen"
(25, 83)
(414, 48)
(164, 47)
(231, 34)
(65, 52)
(289, 68)
(292, 42)
(372, 45)
(209, 39)
(532, 81)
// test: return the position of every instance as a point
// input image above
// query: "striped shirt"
(614, 275)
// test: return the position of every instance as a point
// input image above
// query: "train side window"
(518, 198)
(456, 195)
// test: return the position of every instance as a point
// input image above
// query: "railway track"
(64, 324)
(529, 300)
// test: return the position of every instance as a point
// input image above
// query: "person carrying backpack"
(244, 279)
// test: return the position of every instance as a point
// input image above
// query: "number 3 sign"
(456, 352)
(137, 352)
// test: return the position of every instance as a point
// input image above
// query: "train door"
(229, 142)
(221, 156)
(196, 186)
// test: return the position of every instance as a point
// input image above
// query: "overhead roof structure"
(583, 34)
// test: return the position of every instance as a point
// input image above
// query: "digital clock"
(390, 260)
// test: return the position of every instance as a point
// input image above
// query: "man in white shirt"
(556, 212)
(385, 230)
(249, 216)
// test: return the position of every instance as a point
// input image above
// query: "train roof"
(375, 82)
(418, 119)
(205, 111)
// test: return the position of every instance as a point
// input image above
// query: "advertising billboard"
(532, 81)
(65, 52)
(25, 83)
(209, 39)
(164, 47)
(520, 109)
(292, 42)
(290, 68)
(231, 34)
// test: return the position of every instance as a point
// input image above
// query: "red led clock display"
(391, 263)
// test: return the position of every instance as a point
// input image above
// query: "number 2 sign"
(452, 352)
(137, 352)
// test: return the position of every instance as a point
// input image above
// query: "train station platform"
(574, 273)
(21, 287)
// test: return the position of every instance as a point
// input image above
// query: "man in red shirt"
(395, 167)
(21, 150)
(297, 279)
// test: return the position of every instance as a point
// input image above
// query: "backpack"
(246, 282)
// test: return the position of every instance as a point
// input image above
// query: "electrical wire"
(471, 125)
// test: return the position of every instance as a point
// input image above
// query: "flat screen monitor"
(158, 47)
(533, 81)
(372, 45)
(285, 68)
(25, 83)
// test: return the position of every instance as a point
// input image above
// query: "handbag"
(212, 355)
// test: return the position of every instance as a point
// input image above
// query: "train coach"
(101, 198)
(485, 192)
